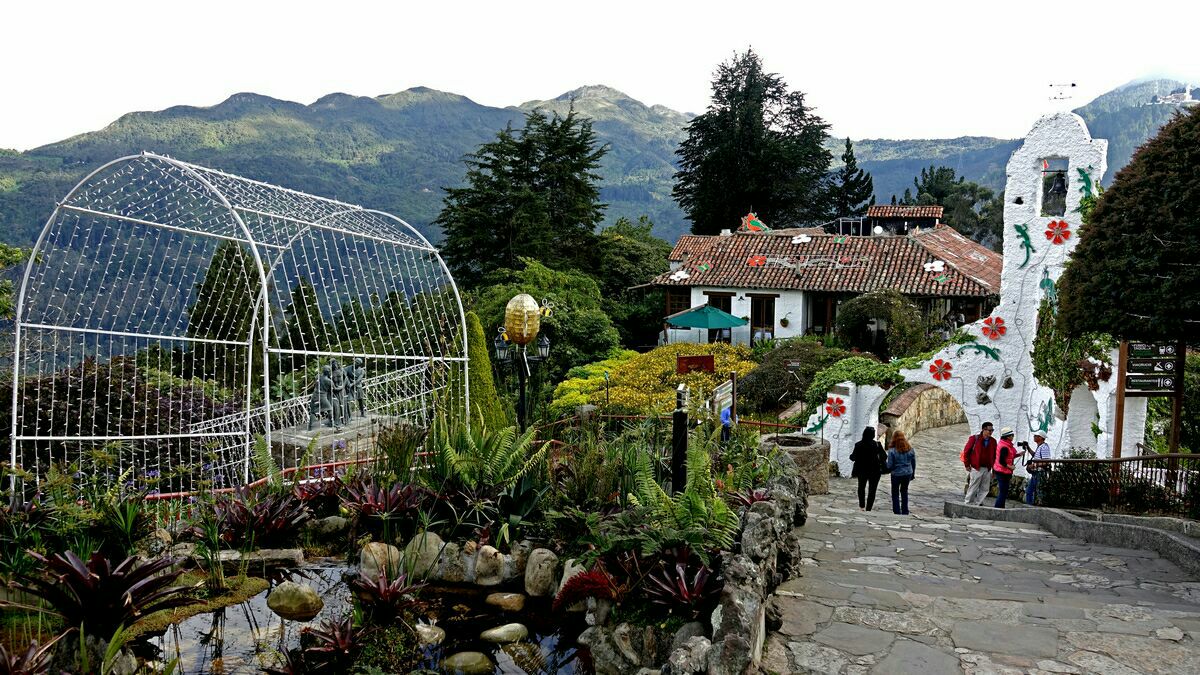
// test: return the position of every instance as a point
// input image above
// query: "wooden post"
(1118, 423)
(1177, 402)
(732, 395)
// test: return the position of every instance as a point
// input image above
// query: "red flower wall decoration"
(1058, 231)
(835, 406)
(941, 369)
(994, 327)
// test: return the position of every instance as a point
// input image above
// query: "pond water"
(248, 636)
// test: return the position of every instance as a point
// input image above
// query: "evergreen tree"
(971, 209)
(304, 327)
(756, 147)
(531, 193)
(223, 309)
(853, 189)
(1134, 273)
(9, 257)
(487, 409)
(628, 255)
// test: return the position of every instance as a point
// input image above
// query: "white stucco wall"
(1014, 398)
(843, 430)
(789, 303)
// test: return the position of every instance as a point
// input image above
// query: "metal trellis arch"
(170, 313)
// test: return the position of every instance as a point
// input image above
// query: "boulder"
(159, 541)
(468, 663)
(377, 556)
(597, 611)
(509, 602)
(489, 566)
(686, 632)
(428, 634)
(509, 632)
(295, 602)
(422, 553)
(453, 565)
(540, 572)
(325, 529)
(515, 560)
(607, 658)
(272, 558)
(692, 657)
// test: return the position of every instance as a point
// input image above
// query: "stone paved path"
(925, 594)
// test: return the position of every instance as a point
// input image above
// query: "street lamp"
(522, 321)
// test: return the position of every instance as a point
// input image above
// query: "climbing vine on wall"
(1062, 363)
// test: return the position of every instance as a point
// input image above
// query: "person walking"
(1006, 456)
(869, 461)
(1035, 464)
(902, 462)
(978, 456)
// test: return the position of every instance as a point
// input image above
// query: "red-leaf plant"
(33, 661)
(594, 583)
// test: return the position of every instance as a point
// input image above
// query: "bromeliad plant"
(98, 596)
(386, 598)
(684, 586)
(337, 643)
(33, 661)
(370, 500)
(259, 519)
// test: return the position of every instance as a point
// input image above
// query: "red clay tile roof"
(896, 211)
(836, 263)
(691, 243)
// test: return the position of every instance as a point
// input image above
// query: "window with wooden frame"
(762, 318)
(678, 300)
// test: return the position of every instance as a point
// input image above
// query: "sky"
(872, 69)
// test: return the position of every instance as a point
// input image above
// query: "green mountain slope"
(397, 152)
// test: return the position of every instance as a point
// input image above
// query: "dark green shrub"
(773, 386)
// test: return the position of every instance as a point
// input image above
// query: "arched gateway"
(171, 312)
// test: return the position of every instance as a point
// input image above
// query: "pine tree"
(223, 309)
(304, 327)
(532, 192)
(756, 147)
(853, 189)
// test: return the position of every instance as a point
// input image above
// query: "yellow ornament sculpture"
(522, 319)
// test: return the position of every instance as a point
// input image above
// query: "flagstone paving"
(882, 593)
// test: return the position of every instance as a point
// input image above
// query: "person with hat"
(1035, 464)
(1006, 457)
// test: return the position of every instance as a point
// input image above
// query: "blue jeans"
(1031, 487)
(900, 494)
(1002, 481)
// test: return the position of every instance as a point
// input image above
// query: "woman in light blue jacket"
(902, 460)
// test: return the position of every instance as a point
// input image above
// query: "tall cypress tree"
(853, 189)
(223, 309)
(532, 192)
(756, 147)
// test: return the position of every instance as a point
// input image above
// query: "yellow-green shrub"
(645, 383)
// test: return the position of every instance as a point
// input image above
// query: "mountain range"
(397, 152)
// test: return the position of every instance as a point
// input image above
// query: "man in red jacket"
(978, 456)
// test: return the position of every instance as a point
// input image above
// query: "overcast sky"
(873, 70)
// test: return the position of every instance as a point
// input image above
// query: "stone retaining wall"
(924, 406)
(1180, 550)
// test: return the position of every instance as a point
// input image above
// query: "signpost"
(1148, 369)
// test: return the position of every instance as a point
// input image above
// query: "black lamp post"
(520, 357)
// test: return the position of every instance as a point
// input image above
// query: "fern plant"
(482, 459)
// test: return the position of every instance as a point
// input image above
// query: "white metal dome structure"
(170, 313)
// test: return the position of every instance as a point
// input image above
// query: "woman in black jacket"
(868, 459)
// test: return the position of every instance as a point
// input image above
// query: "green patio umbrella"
(704, 316)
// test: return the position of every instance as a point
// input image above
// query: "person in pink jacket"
(1006, 457)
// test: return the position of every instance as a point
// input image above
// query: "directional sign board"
(722, 397)
(1152, 350)
(1163, 366)
(1144, 383)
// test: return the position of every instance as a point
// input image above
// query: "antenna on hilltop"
(1062, 92)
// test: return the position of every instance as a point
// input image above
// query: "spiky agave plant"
(99, 596)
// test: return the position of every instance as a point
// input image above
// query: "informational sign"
(1152, 365)
(1149, 350)
(1147, 383)
(793, 364)
(722, 397)
(688, 364)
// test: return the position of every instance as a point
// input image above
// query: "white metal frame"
(363, 258)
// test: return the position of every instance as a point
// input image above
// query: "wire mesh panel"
(171, 313)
